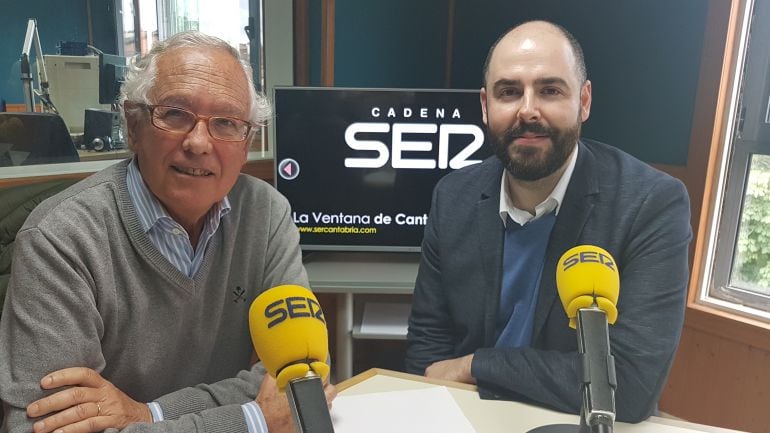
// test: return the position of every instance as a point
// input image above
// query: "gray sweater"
(88, 288)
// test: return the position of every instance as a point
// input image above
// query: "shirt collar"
(149, 209)
(551, 203)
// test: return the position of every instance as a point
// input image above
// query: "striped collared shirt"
(168, 236)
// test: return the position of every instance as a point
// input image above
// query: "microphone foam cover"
(587, 274)
(288, 330)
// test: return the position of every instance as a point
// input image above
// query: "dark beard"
(527, 167)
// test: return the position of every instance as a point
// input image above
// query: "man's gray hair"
(142, 74)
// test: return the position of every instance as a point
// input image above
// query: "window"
(236, 21)
(224, 18)
(739, 247)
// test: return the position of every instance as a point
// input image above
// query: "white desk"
(493, 416)
(349, 274)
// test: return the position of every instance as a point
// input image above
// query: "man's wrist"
(468, 359)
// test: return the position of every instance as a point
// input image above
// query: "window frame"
(725, 185)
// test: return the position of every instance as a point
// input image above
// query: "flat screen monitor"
(358, 166)
(35, 138)
(112, 73)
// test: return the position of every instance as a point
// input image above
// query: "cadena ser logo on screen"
(293, 307)
(412, 131)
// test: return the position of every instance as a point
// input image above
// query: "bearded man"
(485, 307)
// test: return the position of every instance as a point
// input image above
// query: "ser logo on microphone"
(293, 307)
(588, 257)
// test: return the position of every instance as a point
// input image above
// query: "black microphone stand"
(598, 381)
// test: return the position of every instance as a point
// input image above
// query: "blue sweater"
(523, 259)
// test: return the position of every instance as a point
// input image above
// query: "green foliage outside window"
(752, 259)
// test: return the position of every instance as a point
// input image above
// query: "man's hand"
(456, 370)
(275, 405)
(330, 391)
(91, 405)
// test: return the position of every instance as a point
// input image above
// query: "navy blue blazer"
(637, 213)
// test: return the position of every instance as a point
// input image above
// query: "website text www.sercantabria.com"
(340, 229)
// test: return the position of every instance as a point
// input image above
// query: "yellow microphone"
(588, 283)
(587, 274)
(288, 330)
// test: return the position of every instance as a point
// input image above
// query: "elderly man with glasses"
(128, 301)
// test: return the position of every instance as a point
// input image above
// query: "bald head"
(534, 32)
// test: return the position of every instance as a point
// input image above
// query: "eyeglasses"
(179, 120)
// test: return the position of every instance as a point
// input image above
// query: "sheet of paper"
(386, 318)
(415, 411)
